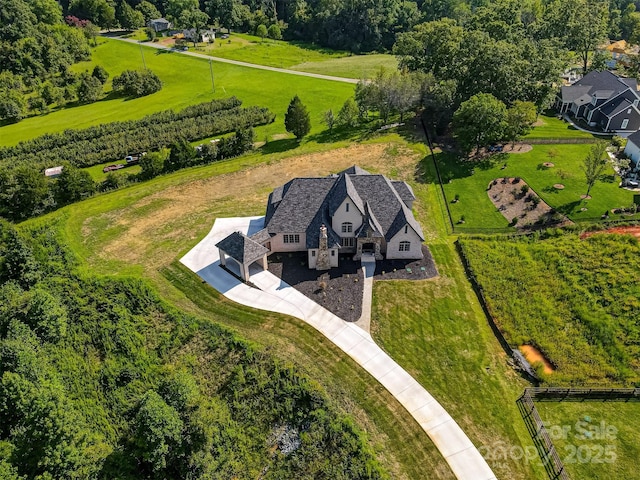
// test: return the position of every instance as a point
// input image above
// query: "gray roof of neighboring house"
(242, 248)
(634, 138)
(159, 20)
(615, 106)
(603, 84)
(304, 204)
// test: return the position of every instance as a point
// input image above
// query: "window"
(333, 253)
(406, 229)
(348, 241)
(291, 238)
(625, 122)
(347, 227)
(405, 246)
(313, 253)
(628, 111)
(346, 206)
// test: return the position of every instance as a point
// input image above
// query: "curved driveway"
(237, 62)
(275, 295)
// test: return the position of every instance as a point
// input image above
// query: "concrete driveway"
(463, 458)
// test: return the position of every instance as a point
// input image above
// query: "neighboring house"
(352, 212)
(159, 24)
(205, 35)
(632, 150)
(620, 52)
(604, 100)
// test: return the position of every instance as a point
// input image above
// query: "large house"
(352, 212)
(159, 24)
(603, 99)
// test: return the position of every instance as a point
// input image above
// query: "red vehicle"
(110, 168)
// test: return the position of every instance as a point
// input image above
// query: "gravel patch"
(407, 269)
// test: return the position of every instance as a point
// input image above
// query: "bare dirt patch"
(558, 186)
(173, 218)
(520, 205)
(517, 148)
(549, 164)
(635, 231)
(533, 355)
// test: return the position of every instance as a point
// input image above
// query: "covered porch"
(243, 251)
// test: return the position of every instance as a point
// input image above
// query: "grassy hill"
(186, 81)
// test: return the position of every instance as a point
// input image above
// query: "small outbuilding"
(244, 251)
(159, 24)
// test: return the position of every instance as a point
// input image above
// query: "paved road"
(275, 295)
(236, 62)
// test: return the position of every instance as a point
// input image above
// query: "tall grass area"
(575, 299)
(186, 81)
(470, 178)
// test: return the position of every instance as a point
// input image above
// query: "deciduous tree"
(479, 121)
(594, 164)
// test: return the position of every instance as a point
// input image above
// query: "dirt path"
(239, 63)
(635, 231)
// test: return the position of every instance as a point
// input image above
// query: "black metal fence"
(576, 394)
(541, 439)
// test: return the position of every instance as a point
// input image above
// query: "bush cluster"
(137, 84)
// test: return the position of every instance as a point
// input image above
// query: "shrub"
(524, 189)
(137, 84)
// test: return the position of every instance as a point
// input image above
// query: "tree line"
(99, 378)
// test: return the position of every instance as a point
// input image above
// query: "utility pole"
(144, 64)
(213, 84)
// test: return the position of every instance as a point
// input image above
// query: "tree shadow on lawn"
(278, 146)
(453, 167)
(568, 208)
(341, 134)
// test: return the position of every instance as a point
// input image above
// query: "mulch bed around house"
(339, 289)
(407, 269)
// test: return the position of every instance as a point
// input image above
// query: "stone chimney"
(323, 262)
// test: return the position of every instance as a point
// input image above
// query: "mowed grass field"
(186, 81)
(549, 126)
(470, 178)
(435, 328)
(596, 441)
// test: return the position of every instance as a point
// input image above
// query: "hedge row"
(113, 141)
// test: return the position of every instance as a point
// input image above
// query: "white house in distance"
(205, 36)
(632, 150)
(352, 212)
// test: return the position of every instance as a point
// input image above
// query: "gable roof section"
(241, 248)
(603, 84)
(634, 138)
(354, 170)
(301, 200)
(404, 190)
(616, 106)
(343, 188)
(304, 204)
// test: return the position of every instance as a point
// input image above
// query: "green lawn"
(186, 81)
(469, 179)
(550, 126)
(298, 56)
(598, 441)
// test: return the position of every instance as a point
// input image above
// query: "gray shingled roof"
(354, 170)
(261, 236)
(603, 84)
(634, 138)
(615, 106)
(241, 248)
(304, 204)
(404, 190)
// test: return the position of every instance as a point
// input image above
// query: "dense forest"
(101, 379)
